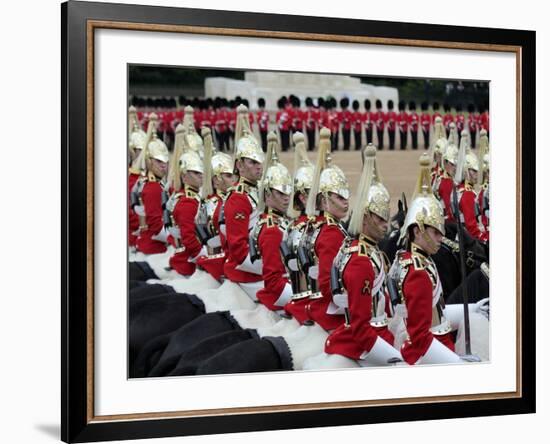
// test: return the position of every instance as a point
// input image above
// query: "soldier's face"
(277, 200)
(250, 169)
(429, 240)
(473, 175)
(450, 168)
(158, 168)
(193, 178)
(374, 226)
(336, 205)
(224, 181)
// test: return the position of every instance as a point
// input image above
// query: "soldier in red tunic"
(218, 178)
(268, 233)
(311, 118)
(333, 123)
(425, 123)
(414, 121)
(136, 144)
(262, 119)
(403, 124)
(183, 207)
(239, 209)
(379, 118)
(368, 121)
(359, 277)
(415, 284)
(149, 190)
(443, 185)
(356, 124)
(467, 172)
(303, 179)
(329, 194)
(448, 118)
(391, 119)
(344, 117)
(283, 123)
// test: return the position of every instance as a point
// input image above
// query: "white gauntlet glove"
(139, 210)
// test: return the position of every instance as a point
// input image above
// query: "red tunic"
(447, 119)
(379, 119)
(391, 119)
(421, 292)
(425, 121)
(414, 121)
(283, 120)
(359, 281)
(133, 218)
(238, 210)
(274, 273)
(222, 120)
(403, 121)
(311, 117)
(467, 205)
(356, 120)
(152, 203)
(262, 118)
(326, 247)
(445, 191)
(184, 215)
(345, 119)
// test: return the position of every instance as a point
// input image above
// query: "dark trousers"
(414, 139)
(426, 134)
(403, 139)
(346, 135)
(223, 140)
(263, 136)
(473, 139)
(285, 140)
(357, 136)
(380, 134)
(369, 135)
(310, 139)
(334, 141)
(391, 134)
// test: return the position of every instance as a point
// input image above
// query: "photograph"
(283, 221)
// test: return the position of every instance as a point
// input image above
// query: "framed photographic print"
(155, 345)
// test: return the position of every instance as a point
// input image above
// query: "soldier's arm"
(467, 207)
(184, 215)
(417, 289)
(274, 271)
(237, 211)
(152, 202)
(358, 280)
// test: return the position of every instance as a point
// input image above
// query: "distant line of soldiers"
(349, 126)
(280, 237)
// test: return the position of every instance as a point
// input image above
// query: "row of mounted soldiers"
(281, 237)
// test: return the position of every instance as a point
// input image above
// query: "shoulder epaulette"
(363, 249)
(405, 262)
(418, 262)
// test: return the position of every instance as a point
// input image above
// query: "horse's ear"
(400, 206)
